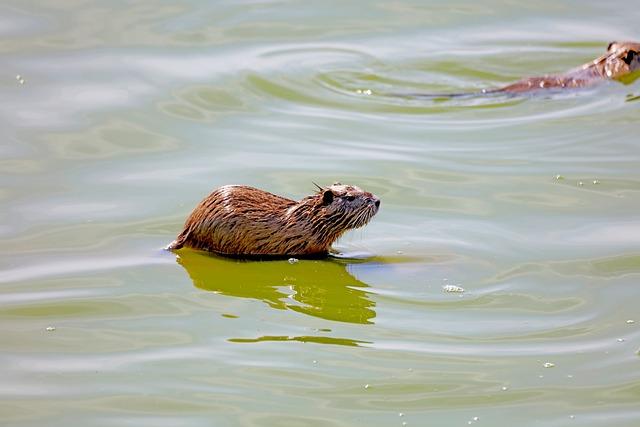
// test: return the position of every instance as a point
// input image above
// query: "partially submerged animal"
(621, 62)
(241, 221)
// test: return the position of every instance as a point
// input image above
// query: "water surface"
(126, 114)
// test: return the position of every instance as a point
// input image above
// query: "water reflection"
(319, 288)
(304, 339)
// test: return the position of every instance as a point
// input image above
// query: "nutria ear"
(629, 57)
(327, 197)
(611, 45)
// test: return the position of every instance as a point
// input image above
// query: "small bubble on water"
(596, 182)
(580, 183)
(620, 339)
(504, 388)
(366, 386)
(293, 260)
(549, 365)
(315, 362)
(476, 418)
(50, 328)
(367, 91)
(572, 416)
(18, 77)
(400, 414)
(559, 177)
(630, 322)
(404, 423)
(399, 252)
(453, 288)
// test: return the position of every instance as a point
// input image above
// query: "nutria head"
(348, 204)
(332, 211)
(621, 59)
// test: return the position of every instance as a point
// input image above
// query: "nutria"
(621, 62)
(241, 221)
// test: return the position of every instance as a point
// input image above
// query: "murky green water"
(131, 112)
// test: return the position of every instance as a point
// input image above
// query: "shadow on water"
(318, 288)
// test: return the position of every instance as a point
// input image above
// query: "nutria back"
(238, 220)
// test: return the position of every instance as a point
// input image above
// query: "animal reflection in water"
(319, 288)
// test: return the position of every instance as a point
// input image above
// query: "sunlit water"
(118, 117)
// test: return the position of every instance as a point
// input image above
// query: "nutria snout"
(238, 220)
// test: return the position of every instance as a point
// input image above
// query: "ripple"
(374, 87)
(607, 267)
(204, 103)
(111, 139)
(70, 267)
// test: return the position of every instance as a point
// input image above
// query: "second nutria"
(237, 220)
(621, 60)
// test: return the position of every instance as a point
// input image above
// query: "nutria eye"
(351, 198)
(630, 55)
(327, 197)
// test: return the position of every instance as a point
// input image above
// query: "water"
(131, 112)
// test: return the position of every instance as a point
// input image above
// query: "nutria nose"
(377, 202)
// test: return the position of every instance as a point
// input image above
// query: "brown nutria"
(621, 62)
(236, 220)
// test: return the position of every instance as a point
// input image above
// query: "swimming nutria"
(621, 62)
(237, 220)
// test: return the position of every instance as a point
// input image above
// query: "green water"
(130, 112)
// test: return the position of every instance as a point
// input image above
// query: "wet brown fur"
(237, 220)
(621, 60)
